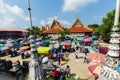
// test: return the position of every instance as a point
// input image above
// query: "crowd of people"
(61, 74)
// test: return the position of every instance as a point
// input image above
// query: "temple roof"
(79, 27)
(54, 28)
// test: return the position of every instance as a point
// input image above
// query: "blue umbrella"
(80, 38)
(94, 37)
(3, 48)
(118, 68)
(37, 40)
(1, 45)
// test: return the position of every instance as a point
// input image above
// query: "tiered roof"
(55, 27)
(79, 27)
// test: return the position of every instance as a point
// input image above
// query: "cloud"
(49, 21)
(73, 5)
(12, 16)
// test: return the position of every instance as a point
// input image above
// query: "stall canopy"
(66, 44)
(94, 37)
(95, 69)
(96, 57)
(43, 50)
(4, 48)
(25, 48)
(80, 38)
(87, 40)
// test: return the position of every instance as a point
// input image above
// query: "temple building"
(78, 29)
(6, 33)
(54, 29)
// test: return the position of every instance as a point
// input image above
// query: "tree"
(106, 26)
(104, 30)
(63, 33)
(35, 30)
(93, 26)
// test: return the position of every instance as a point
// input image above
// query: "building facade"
(53, 30)
(6, 33)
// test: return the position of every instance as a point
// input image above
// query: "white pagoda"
(108, 71)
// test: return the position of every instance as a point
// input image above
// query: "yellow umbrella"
(43, 50)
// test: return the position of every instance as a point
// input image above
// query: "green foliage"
(25, 75)
(93, 26)
(63, 33)
(35, 30)
(104, 30)
(106, 26)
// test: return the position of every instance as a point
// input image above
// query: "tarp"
(66, 44)
(95, 69)
(94, 37)
(24, 47)
(43, 50)
(87, 40)
(1, 45)
(4, 48)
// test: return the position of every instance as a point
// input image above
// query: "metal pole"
(29, 13)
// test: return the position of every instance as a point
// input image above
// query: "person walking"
(68, 71)
(86, 51)
(76, 52)
(59, 58)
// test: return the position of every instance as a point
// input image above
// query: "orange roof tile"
(55, 27)
(53, 30)
(79, 28)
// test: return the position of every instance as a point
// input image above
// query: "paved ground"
(78, 67)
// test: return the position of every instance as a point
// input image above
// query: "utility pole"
(35, 67)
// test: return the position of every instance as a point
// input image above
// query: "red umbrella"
(96, 57)
(95, 69)
(66, 44)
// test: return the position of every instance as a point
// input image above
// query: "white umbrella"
(45, 59)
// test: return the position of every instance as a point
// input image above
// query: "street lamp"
(35, 68)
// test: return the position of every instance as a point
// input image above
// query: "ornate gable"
(77, 22)
(55, 24)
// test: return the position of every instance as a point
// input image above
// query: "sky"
(14, 13)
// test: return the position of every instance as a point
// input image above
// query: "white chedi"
(113, 47)
(110, 74)
(115, 28)
(114, 40)
(113, 53)
(115, 34)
